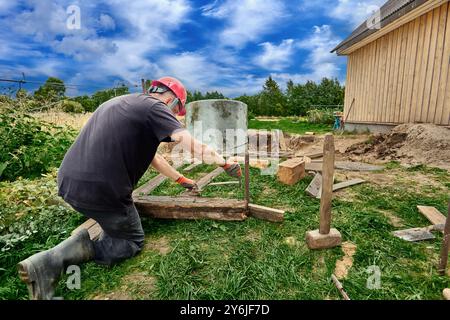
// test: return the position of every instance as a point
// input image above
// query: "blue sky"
(225, 45)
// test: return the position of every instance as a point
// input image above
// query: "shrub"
(32, 219)
(71, 106)
(324, 116)
(30, 147)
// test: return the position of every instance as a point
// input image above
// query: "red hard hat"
(176, 87)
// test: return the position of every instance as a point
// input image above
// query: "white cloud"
(193, 68)
(352, 12)
(320, 62)
(355, 12)
(246, 20)
(276, 57)
(106, 22)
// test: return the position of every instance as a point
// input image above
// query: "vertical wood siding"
(403, 76)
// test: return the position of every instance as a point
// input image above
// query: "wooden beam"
(339, 286)
(153, 183)
(192, 167)
(204, 181)
(432, 214)
(191, 208)
(91, 226)
(346, 184)
(315, 186)
(414, 234)
(224, 183)
(327, 184)
(265, 213)
(291, 171)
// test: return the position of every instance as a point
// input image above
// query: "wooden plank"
(344, 165)
(443, 91)
(153, 183)
(424, 70)
(95, 231)
(339, 286)
(265, 213)
(191, 208)
(432, 214)
(430, 65)
(346, 184)
(408, 73)
(414, 234)
(418, 82)
(315, 186)
(396, 84)
(223, 183)
(327, 184)
(393, 76)
(204, 181)
(438, 64)
(192, 167)
(401, 53)
(85, 225)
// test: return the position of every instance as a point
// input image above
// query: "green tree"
(272, 101)
(51, 91)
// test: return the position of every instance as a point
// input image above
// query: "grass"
(290, 126)
(252, 259)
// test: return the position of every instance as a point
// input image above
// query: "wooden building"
(399, 66)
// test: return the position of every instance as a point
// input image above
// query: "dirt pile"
(409, 143)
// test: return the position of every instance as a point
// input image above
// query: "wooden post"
(247, 177)
(325, 237)
(327, 184)
(445, 245)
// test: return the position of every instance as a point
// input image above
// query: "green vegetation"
(297, 100)
(242, 260)
(290, 125)
(30, 147)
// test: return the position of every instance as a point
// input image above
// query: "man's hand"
(187, 183)
(233, 170)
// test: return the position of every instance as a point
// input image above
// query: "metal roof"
(389, 12)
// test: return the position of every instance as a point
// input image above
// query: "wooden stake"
(247, 177)
(339, 286)
(445, 245)
(327, 184)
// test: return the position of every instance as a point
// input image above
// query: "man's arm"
(199, 150)
(162, 166)
(205, 153)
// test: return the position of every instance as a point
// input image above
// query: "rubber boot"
(42, 271)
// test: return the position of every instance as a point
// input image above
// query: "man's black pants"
(122, 236)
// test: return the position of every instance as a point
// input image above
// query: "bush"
(324, 116)
(30, 147)
(32, 219)
(71, 106)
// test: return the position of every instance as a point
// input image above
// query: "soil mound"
(410, 144)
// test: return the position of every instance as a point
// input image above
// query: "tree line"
(295, 100)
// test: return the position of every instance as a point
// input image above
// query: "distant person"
(99, 172)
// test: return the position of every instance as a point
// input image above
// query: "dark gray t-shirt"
(113, 151)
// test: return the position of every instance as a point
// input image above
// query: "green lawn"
(254, 260)
(290, 126)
